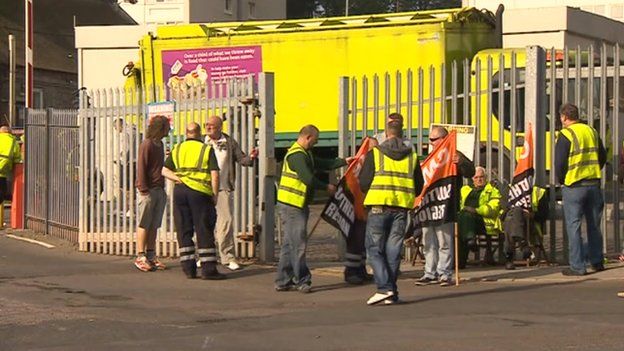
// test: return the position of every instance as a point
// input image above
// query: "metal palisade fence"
(52, 156)
(112, 125)
(499, 92)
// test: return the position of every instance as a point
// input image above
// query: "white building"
(549, 24)
(103, 51)
(202, 11)
(608, 8)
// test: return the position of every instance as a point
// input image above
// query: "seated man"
(479, 213)
(515, 222)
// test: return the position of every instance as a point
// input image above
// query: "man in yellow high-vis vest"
(579, 158)
(192, 165)
(391, 178)
(295, 191)
(479, 213)
(9, 155)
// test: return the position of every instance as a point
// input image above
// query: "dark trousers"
(355, 257)
(4, 189)
(194, 212)
(470, 225)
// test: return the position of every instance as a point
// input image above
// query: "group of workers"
(203, 171)
(391, 179)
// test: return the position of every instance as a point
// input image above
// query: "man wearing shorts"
(152, 197)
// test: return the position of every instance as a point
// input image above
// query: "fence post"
(343, 146)
(48, 117)
(267, 166)
(82, 177)
(26, 164)
(535, 107)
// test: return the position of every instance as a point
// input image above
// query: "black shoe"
(571, 272)
(598, 267)
(526, 253)
(191, 275)
(354, 279)
(510, 266)
(471, 245)
(190, 271)
(213, 276)
(425, 281)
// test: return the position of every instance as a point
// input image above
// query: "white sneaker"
(378, 297)
(233, 266)
(391, 301)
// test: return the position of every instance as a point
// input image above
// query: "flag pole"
(313, 228)
(456, 255)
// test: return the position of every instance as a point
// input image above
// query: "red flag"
(347, 204)
(522, 183)
(436, 204)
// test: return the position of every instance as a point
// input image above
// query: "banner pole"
(456, 254)
(313, 228)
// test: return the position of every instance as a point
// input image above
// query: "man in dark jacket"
(438, 240)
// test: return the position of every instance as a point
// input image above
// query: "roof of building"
(54, 22)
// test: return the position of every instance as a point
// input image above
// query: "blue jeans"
(384, 242)
(578, 202)
(292, 267)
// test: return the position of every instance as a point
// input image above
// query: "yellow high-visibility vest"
(191, 159)
(583, 158)
(489, 206)
(292, 190)
(393, 183)
(8, 152)
(536, 196)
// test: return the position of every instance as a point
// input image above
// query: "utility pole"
(347, 8)
(28, 54)
(12, 56)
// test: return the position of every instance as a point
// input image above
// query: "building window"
(252, 9)
(228, 6)
(38, 98)
(617, 11)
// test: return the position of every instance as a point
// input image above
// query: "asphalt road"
(60, 299)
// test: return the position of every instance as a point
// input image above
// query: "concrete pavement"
(60, 299)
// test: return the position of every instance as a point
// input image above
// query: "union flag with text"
(347, 204)
(436, 204)
(522, 183)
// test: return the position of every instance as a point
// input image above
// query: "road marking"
(32, 241)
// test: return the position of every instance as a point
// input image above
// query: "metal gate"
(499, 94)
(52, 158)
(112, 125)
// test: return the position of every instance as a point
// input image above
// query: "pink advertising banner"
(183, 69)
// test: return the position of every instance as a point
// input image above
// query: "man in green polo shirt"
(295, 192)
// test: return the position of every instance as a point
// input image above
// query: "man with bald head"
(192, 165)
(228, 153)
(297, 185)
(480, 214)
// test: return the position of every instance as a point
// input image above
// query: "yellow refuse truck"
(308, 56)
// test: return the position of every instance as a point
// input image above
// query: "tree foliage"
(332, 8)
